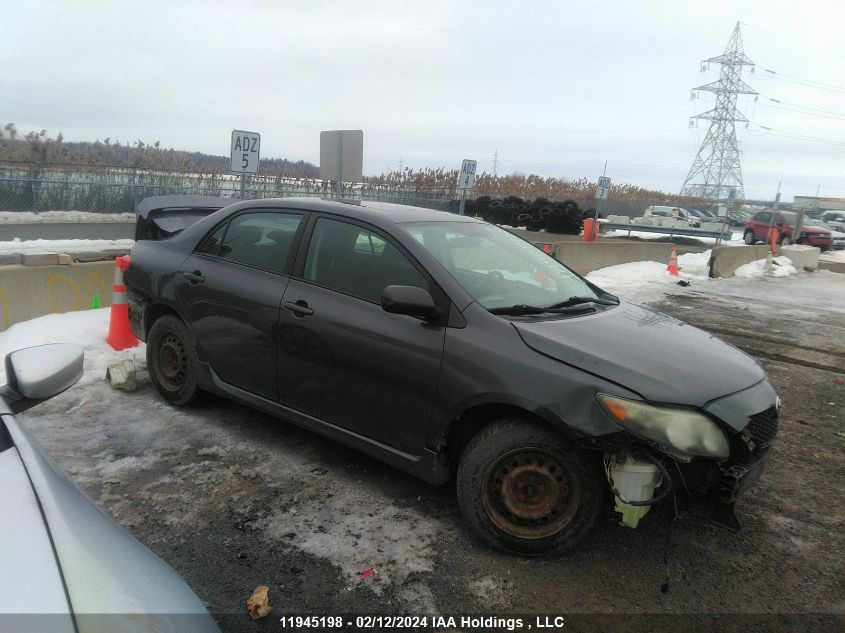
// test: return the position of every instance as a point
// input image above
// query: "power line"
(798, 136)
(798, 105)
(829, 51)
(800, 81)
(785, 108)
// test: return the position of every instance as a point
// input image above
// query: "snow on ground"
(62, 246)
(27, 217)
(87, 329)
(780, 267)
(646, 235)
(833, 256)
(641, 282)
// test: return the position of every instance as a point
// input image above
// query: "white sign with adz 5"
(245, 150)
(466, 179)
(603, 188)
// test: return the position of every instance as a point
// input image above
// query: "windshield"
(497, 268)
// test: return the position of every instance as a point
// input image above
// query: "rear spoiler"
(160, 217)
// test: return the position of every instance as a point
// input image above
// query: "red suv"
(784, 223)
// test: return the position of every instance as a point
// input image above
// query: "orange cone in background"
(773, 240)
(672, 268)
(589, 232)
(120, 336)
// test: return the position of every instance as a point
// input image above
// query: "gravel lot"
(232, 499)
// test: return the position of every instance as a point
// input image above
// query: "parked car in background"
(837, 235)
(66, 567)
(458, 352)
(677, 213)
(702, 217)
(783, 222)
(835, 219)
(738, 218)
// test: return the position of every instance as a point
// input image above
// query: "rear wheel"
(785, 240)
(749, 237)
(525, 490)
(172, 361)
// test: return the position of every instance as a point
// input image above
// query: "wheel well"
(470, 422)
(154, 313)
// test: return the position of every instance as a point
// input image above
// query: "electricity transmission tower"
(716, 173)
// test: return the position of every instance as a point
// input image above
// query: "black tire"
(784, 240)
(528, 522)
(172, 361)
(748, 237)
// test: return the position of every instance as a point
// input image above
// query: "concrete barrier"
(726, 259)
(27, 292)
(585, 257)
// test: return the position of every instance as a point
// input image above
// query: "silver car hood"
(111, 581)
(30, 580)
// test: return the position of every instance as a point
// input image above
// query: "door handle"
(299, 309)
(194, 278)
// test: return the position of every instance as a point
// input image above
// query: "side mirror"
(408, 300)
(34, 374)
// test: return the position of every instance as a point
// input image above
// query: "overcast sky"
(556, 87)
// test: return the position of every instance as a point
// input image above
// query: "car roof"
(364, 210)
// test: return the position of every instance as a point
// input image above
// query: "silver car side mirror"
(41, 372)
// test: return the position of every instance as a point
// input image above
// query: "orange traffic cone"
(120, 336)
(672, 268)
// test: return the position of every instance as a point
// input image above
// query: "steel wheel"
(172, 362)
(749, 237)
(529, 494)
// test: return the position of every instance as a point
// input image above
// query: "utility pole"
(495, 161)
(772, 216)
(716, 169)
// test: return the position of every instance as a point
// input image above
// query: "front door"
(230, 290)
(341, 357)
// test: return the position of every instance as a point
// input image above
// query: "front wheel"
(785, 240)
(172, 361)
(525, 490)
(749, 237)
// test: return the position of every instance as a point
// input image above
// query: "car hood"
(659, 357)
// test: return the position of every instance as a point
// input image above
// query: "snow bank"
(644, 235)
(62, 246)
(27, 217)
(782, 267)
(87, 328)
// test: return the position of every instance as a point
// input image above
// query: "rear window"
(262, 240)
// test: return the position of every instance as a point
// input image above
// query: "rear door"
(230, 289)
(345, 360)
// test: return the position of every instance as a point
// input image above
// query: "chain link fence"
(38, 187)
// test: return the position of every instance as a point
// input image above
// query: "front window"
(497, 268)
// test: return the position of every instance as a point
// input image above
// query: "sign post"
(341, 157)
(466, 180)
(602, 189)
(244, 155)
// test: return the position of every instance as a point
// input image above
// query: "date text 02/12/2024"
(439, 622)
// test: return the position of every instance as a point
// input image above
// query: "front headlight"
(679, 432)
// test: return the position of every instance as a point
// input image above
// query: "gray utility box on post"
(342, 155)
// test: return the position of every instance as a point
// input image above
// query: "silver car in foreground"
(64, 565)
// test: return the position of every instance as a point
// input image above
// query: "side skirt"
(430, 466)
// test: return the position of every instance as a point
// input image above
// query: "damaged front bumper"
(750, 421)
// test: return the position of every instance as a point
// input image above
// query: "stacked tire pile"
(555, 217)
